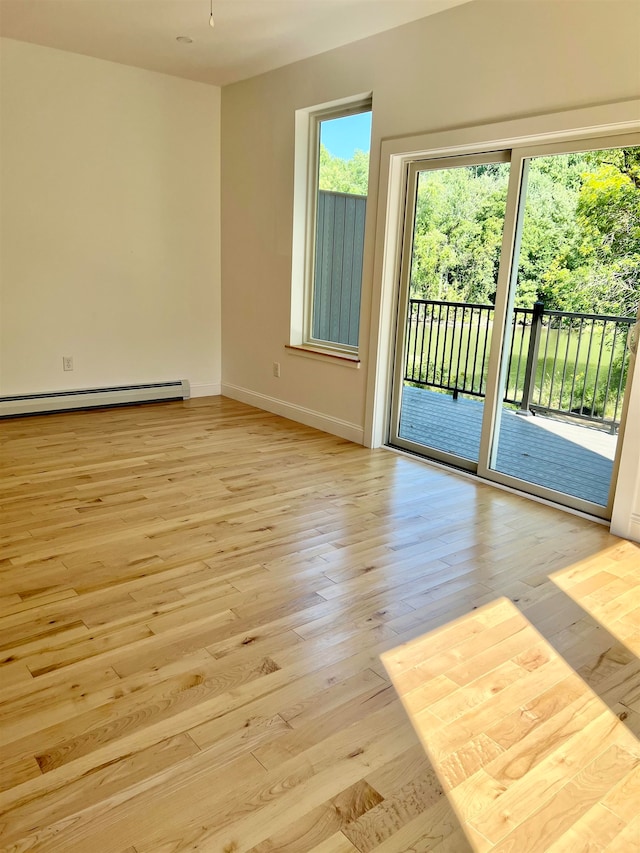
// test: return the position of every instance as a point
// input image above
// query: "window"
(334, 176)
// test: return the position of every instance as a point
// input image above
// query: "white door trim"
(571, 126)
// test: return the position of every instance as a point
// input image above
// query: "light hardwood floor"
(194, 602)
(528, 755)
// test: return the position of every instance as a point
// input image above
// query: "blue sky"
(342, 136)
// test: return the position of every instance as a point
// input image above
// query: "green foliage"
(344, 176)
(458, 233)
(580, 248)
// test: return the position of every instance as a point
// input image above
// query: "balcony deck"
(569, 457)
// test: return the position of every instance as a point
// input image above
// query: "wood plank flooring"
(194, 601)
(525, 770)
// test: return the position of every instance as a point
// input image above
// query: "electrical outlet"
(67, 362)
(276, 369)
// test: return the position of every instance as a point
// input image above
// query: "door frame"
(573, 128)
(506, 290)
(414, 168)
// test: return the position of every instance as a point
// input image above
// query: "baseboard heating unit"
(92, 398)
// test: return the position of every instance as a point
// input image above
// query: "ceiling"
(250, 36)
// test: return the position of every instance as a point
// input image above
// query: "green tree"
(458, 233)
(549, 227)
(580, 242)
(344, 176)
(597, 266)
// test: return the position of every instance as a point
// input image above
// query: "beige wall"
(110, 224)
(477, 63)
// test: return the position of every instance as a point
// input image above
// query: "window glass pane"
(344, 154)
(343, 173)
(575, 300)
(457, 236)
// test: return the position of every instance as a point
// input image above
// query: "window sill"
(341, 358)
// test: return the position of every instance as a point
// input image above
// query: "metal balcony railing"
(559, 362)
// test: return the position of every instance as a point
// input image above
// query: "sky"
(342, 136)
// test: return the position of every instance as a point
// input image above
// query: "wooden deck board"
(572, 458)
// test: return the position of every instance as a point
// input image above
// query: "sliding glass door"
(455, 218)
(520, 283)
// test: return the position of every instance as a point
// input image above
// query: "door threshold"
(469, 475)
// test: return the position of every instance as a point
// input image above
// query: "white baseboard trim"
(634, 527)
(308, 417)
(628, 527)
(206, 390)
(67, 400)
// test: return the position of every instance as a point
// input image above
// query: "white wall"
(109, 186)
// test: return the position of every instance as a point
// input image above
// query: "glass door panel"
(575, 285)
(451, 255)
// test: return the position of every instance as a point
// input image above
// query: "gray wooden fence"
(338, 267)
